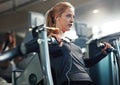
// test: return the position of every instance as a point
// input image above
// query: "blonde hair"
(57, 10)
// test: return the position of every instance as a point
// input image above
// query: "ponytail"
(50, 21)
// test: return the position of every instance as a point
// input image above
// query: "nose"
(72, 19)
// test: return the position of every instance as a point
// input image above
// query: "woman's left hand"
(107, 46)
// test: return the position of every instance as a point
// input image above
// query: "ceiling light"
(95, 11)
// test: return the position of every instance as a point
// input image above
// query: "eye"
(69, 15)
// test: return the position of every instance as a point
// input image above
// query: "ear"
(56, 18)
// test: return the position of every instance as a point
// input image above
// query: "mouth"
(70, 25)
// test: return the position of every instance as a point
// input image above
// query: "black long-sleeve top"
(68, 64)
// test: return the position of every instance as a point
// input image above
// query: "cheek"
(64, 22)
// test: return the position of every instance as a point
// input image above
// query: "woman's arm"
(99, 56)
(94, 60)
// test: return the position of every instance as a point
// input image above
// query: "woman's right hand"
(54, 32)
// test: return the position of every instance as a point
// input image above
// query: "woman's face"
(65, 21)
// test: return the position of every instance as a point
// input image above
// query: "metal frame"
(44, 59)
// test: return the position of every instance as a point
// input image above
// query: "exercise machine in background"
(38, 71)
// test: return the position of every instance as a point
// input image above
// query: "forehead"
(69, 11)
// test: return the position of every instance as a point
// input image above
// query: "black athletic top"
(68, 64)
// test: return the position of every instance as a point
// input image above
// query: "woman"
(67, 62)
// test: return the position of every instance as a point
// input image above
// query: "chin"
(69, 28)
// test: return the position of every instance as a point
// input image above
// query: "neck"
(61, 34)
